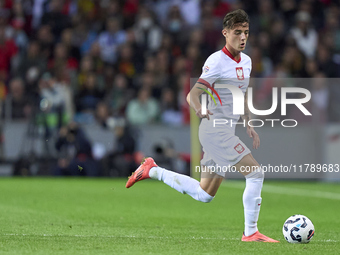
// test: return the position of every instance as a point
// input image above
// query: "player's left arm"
(250, 130)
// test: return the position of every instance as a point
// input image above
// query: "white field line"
(112, 236)
(288, 191)
(147, 237)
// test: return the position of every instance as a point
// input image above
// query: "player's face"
(237, 36)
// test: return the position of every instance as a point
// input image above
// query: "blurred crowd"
(93, 61)
(96, 59)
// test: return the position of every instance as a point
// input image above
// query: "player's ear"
(224, 32)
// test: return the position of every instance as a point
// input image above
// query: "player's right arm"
(210, 73)
(193, 99)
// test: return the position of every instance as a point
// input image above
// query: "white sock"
(252, 200)
(181, 183)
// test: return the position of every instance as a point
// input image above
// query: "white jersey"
(221, 146)
(222, 68)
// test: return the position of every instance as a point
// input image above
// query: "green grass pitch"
(101, 216)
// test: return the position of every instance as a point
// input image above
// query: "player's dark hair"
(235, 17)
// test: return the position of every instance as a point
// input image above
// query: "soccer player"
(220, 145)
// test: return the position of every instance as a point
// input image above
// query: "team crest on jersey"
(239, 73)
(206, 69)
(239, 148)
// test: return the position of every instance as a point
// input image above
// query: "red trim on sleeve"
(227, 52)
(205, 83)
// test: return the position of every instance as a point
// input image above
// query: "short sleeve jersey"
(222, 68)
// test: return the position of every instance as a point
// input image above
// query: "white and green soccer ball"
(298, 229)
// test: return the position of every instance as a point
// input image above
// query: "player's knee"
(203, 196)
(256, 174)
(259, 173)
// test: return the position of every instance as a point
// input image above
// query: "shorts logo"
(239, 73)
(206, 69)
(239, 148)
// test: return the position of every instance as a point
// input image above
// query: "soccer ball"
(298, 229)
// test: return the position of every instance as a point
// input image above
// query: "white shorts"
(222, 148)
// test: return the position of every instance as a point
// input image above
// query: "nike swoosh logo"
(240, 86)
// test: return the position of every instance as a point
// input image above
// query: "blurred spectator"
(63, 79)
(53, 96)
(326, 63)
(110, 39)
(160, 8)
(194, 60)
(311, 68)
(102, 114)
(175, 23)
(75, 153)
(277, 39)
(61, 59)
(89, 95)
(211, 34)
(263, 40)
(170, 46)
(196, 39)
(332, 28)
(67, 41)
(87, 8)
(130, 10)
(85, 67)
(109, 76)
(139, 55)
(143, 109)
(46, 40)
(119, 95)
(148, 35)
(39, 7)
(148, 82)
(98, 63)
(305, 36)
(207, 9)
(5, 16)
(17, 105)
(122, 161)
(92, 13)
(293, 61)
(180, 66)
(112, 8)
(8, 50)
(163, 68)
(126, 62)
(264, 17)
(220, 9)
(261, 66)
(55, 18)
(18, 22)
(183, 88)
(84, 38)
(32, 66)
(170, 114)
(190, 11)
(151, 65)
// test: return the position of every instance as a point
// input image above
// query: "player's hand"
(200, 115)
(252, 134)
